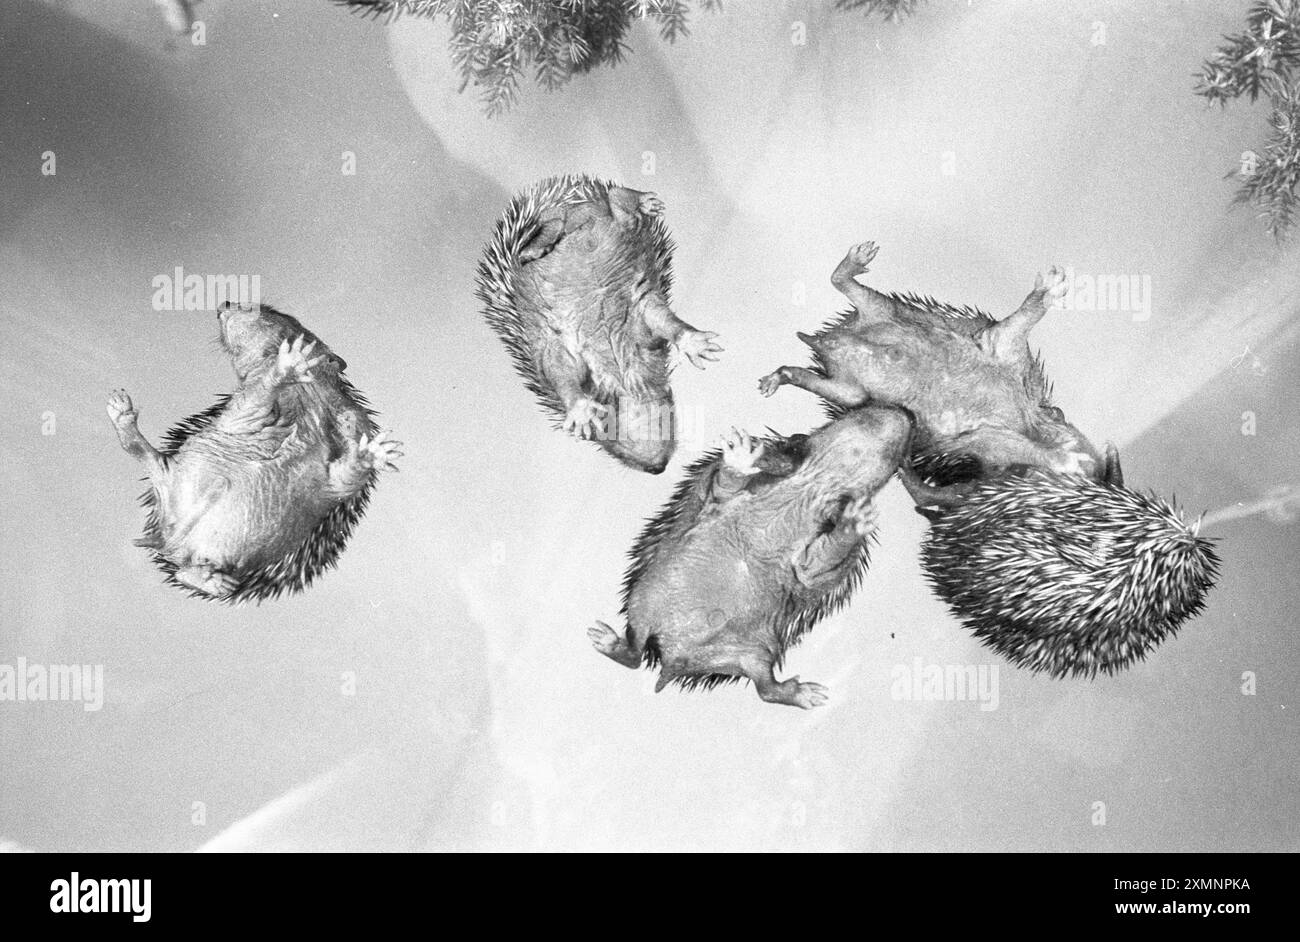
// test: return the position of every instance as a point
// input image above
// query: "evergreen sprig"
(1264, 61)
(892, 10)
(494, 42)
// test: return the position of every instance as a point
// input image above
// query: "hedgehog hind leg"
(790, 692)
(207, 579)
(621, 650)
(627, 205)
(871, 306)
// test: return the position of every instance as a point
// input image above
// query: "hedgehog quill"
(576, 283)
(258, 494)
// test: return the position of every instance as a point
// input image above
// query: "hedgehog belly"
(263, 513)
(704, 605)
(1067, 575)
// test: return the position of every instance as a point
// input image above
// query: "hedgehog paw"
(858, 259)
(864, 515)
(741, 452)
(607, 641)
(808, 695)
(1052, 286)
(773, 381)
(650, 205)
(121, 411)
(379, 452)
(698, 347)
(584, 418)
(792, 692)
(210, 582)
(293, 362)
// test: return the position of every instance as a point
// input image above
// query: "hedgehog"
(1060, 573)
(1035, 543)
(575, 280)
(760, 540)
(981, 400)
(258, 494)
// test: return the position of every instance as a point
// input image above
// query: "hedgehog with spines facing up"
(575, 281)
(258, 494)
(1060, 573)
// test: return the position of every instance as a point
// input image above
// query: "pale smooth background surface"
(482, 719)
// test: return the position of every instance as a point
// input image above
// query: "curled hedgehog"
(258, 494)
(575, 281)
(1060, 573)
(1034, 543)
(759, 542)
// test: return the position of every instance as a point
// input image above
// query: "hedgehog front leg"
(697, 346)
(840, 392)
(569, 375)
(741, 454)
(824, 557)
(124, 416)
(870, 304)
(350, 473)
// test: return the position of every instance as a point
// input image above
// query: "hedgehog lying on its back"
(976, 391)
(258, 494)
(576, 281)
(756, 546)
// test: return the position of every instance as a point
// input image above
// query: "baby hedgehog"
(758, 543)
(575, 281)
(979, 396)
(1062, 574)
(258, 494)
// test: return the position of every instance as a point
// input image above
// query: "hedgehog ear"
(1113, 474)
(544, 238)
(339, 363)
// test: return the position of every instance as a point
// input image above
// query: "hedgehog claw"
(1051, 287)
(769, 384)
(380, 451)
(608, 642)
(121, 411)
(861, 256)
(810, 695)
(204, 579)
(650, 205)
(292, 363)
(583, 418)
(698, 347)
(741, 452)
